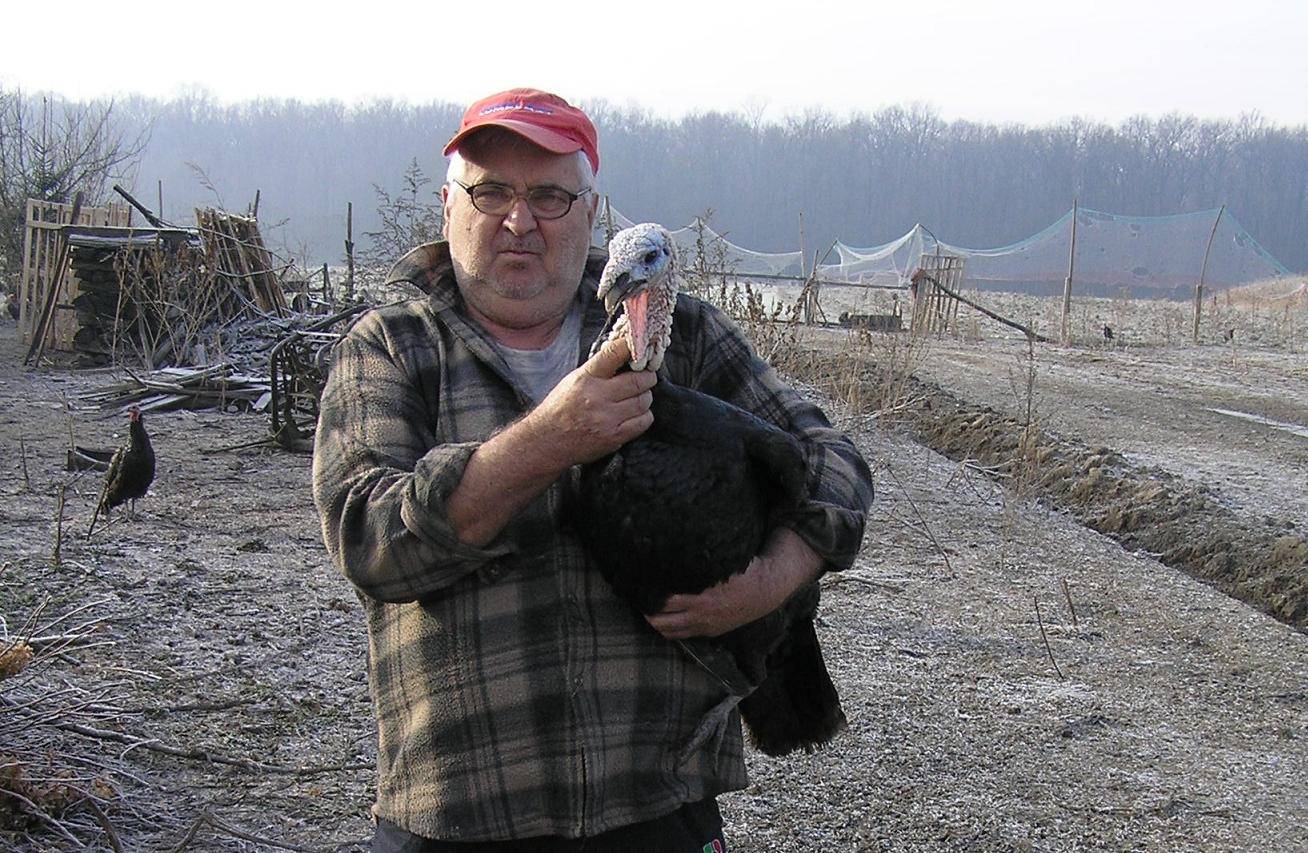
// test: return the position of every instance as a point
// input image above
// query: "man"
(520, 704)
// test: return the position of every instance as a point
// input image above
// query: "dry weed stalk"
(22, 452)
(925, 528)
(772, 329)
(1071, 608)
(897, 356)
(59, 526)
(1021, 471)
(1048, 648)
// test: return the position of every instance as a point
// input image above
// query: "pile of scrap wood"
(216, 387)
(118, 273)
(162, 294)
(297, 359)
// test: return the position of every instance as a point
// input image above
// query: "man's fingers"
(673, 626)
(633, 427)
(609, 360)
(676, 603)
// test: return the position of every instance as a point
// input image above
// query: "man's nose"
(519, 219)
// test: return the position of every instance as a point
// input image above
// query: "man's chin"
(518, 284)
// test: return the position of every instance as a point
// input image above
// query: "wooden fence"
(42, 242)
(935, 308)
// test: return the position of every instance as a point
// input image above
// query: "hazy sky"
(1024, 61)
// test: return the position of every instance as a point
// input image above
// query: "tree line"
(865, 178)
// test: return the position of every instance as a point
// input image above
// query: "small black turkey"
(131, 471)
(690, 502)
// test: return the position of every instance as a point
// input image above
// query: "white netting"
(1148, 255)
(1142, 254)
(698, 240)
(700, 245)
(609, 221)
(890, 263)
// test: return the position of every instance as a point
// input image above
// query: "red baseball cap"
(545, 119)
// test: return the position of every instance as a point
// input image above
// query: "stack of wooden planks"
(236, 249)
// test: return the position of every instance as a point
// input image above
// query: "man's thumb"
(609, 360)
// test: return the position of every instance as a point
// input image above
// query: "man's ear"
(594, 209)
(445, 211)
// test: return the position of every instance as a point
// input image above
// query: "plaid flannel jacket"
(516, 695)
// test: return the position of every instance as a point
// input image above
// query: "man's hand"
(784, 565)
(593, 411)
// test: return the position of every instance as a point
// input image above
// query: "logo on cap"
(510, 106)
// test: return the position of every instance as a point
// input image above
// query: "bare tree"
(49, 151)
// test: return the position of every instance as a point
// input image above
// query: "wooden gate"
(41, 251)
(934, 310)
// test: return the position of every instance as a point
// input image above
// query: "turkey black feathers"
(691, 501)
(131, 471)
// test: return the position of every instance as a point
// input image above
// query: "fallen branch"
(842, 577)
(256, 839)
(925, 527)
(104, 822)
(181, 752)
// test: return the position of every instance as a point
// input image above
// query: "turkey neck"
(140, 438)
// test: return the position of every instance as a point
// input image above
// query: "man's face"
(515, 270)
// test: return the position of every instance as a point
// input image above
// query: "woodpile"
(121, 275)
(164, 295)
(872, 322)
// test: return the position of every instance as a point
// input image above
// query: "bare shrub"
(409, 218)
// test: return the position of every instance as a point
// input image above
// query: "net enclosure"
(1151, 256)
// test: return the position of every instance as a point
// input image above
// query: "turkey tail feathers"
(796, 706)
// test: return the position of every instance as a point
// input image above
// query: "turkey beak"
(622, 287)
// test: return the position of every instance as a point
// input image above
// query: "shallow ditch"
(1183, 524)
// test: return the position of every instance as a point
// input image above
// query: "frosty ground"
(1014, 681)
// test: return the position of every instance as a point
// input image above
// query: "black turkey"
(131, 471)
(690, 502)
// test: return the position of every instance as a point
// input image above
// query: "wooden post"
(254, 211)
(608, 221)
(326, 286)
(160, 207)
(1203, 270)
(1067, 282)
(813, 308)
(349, 251)
(25, 289)
(46, 316)
(803, 269)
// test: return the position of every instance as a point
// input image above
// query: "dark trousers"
(693, 828)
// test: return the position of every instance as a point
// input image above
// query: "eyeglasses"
(495, 199)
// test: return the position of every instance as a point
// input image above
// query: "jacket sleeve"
(840, 488)
(380, 480)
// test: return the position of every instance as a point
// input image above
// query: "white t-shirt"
(539, 370)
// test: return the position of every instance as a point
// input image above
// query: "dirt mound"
(1184, 524)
